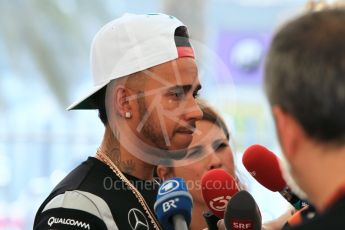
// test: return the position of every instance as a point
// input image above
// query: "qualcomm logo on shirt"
(169, 186)
(53, 220)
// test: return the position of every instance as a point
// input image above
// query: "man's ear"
(164, 172)
(289, 131)
(121, 103)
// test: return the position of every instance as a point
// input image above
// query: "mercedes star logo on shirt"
(137, 220)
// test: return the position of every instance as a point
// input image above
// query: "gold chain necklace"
(105, 159)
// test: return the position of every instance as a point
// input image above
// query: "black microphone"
(242, 213)
(211, 220)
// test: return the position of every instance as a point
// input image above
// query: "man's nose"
(193, 110)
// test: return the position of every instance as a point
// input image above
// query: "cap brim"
(89, 101)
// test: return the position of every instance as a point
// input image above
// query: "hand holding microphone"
(173, 206)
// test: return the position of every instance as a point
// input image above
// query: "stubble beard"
(150, 129)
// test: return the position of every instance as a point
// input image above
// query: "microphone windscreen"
(263, 165)
(242, 213)
(218, 187)
(173, 199)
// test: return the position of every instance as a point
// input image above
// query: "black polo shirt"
(93, 197)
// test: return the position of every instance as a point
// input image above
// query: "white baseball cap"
(130, 44)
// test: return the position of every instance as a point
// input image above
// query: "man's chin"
(181, 141)
(178, 149)
(175, 151)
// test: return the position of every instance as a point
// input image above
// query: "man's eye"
(177, 94)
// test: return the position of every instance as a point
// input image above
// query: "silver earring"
(128, 115)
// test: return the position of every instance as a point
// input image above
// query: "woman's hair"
(209, 114)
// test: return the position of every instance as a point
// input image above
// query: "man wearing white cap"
(146, 83)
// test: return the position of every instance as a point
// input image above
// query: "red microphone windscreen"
(218, 187)
(263, 165)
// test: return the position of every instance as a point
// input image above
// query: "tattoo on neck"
(112, 149)
(127, 166)
(114, 155)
